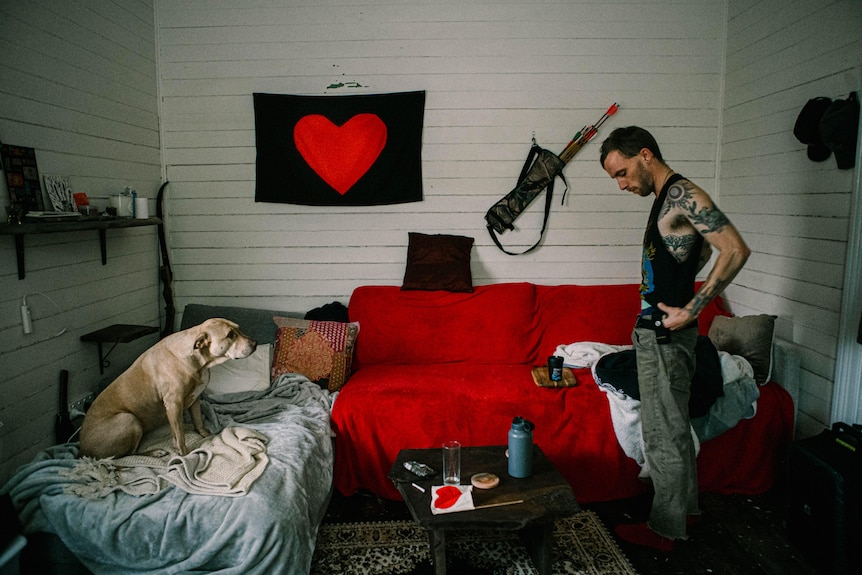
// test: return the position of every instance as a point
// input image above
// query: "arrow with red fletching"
(585, 135)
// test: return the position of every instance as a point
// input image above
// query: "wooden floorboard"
(739, 535)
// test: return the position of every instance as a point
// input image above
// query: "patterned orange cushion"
(322, 351)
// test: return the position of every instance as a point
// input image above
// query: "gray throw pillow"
(748, 336)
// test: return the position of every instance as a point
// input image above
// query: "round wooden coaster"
(485, 481)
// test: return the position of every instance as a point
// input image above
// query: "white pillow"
(247, 374)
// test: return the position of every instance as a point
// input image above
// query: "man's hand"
(676, 317)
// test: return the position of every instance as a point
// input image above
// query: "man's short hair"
(629, 141)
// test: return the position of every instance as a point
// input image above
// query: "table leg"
(539, 541)
(437, 541)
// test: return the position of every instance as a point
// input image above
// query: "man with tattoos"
(683, 228)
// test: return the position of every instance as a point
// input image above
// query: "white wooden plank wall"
(81, 83)
(78, 84)
(495, 73)
(793, 212)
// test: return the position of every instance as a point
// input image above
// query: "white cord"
(71, 437)
(47, 297)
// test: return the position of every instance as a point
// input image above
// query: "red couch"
(431, 366)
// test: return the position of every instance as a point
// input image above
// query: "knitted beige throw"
(225, 464)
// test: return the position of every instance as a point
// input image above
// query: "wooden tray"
(540, 376)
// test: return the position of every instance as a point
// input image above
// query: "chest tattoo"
(679, 246)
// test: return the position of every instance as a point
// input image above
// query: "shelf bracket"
(116, 334)
(103, 359)
(103, 245)
(19, 254)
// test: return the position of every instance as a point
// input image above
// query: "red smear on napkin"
(447, 496)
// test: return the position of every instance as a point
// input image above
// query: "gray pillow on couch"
(748, 336)
(255, 323)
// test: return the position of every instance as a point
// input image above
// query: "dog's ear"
(202, 341)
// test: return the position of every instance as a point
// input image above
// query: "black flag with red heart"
(356, 150)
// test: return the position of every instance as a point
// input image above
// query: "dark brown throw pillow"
(749, 337)
(438, 262)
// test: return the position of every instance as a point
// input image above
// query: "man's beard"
(646, 183)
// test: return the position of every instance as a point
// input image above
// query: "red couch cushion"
(600, 313)
(573, 313)
(492, 324)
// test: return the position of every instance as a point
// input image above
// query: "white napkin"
(451, 498)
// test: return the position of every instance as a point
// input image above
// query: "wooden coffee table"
(546, 497)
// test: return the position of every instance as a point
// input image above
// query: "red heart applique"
(340, 155)
(447, 496)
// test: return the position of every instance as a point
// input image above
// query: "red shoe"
(641, 534)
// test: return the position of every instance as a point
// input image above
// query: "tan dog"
(164, 381)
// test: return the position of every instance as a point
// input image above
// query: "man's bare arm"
(705, 254)
(720, 234)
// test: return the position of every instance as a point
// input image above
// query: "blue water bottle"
(521, 448)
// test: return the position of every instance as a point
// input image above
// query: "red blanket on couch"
(435, 366)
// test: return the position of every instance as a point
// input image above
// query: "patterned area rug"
(582, 546)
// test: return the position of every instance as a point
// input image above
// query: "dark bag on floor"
(824, 498)
(539, 172)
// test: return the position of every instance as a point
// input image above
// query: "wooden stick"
(499, 504)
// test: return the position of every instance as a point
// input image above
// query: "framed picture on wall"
(59, 191)
(22, 178)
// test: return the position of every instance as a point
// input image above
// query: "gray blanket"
(271, 529)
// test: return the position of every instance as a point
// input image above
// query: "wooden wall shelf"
(18, 231)
(116, 334)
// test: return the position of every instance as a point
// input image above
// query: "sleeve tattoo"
(708, 219)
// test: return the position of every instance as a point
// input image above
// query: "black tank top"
(663, 279)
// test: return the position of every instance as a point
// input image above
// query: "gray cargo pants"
(664, 378)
